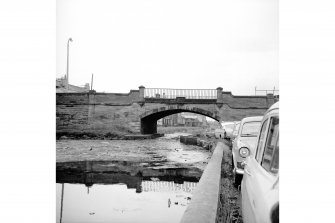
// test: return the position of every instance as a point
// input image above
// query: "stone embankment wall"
(98, 112)
(193, 140)
(204, 204)
(215, 199)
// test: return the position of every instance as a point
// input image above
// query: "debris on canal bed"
(163, 153)
(194, 140)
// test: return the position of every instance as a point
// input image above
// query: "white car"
(226, 130)
(260, 183)
(244, 145)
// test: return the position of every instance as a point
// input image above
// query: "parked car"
(225, 131)
(210, 132)
(260, 184)
(244, 144)
(228, 128)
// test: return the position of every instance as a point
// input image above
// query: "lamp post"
(67, 64)
(61, 204)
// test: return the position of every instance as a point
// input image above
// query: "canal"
(126, 180)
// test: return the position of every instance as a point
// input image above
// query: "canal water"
(144, 190)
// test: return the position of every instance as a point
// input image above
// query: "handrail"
(174, 93)
(273, 91)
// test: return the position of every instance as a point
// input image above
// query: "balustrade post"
(219, 97)
(270, 99)
(141, 88)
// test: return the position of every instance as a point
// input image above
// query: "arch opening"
(149, 121)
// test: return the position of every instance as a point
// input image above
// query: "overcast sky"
(170, 44)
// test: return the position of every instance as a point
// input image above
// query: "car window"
(270, 144)
(229, 126)
(250, 128)
(261, 140)
(275, 160)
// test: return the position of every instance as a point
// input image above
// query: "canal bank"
(215, 199)
(229, 201)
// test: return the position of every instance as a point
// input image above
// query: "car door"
(247, 182)
(260, 176)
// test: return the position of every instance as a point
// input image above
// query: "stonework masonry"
(94, 111)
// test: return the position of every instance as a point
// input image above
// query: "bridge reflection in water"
(167, 186)
(122, 192)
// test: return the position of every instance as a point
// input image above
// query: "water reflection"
(122, 192)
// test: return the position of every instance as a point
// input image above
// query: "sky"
(187, 44)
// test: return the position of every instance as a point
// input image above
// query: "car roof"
(273, 107)
(252, 119)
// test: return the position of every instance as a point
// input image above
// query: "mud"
(158, 153)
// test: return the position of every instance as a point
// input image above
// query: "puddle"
(121, 191)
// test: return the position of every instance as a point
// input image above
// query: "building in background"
(183, 119)
(194, 120)
(171, 120)
(61, 86)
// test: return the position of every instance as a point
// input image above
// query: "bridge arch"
(149, 118)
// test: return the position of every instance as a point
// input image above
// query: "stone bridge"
(140, 109)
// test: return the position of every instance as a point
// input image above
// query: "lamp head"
(70, 39)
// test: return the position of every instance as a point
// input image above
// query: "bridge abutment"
(148, 126)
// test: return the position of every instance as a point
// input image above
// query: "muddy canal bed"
(163, 152)
(126, 181)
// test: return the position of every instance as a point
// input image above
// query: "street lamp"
(61, 204)
(67, 64)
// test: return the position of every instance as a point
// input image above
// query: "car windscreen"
(229, 126)
(236, 128)
(250, 128)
